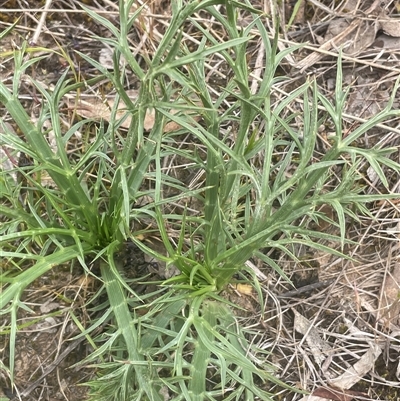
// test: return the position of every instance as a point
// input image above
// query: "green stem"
(118, 302)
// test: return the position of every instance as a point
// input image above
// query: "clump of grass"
(188, 344)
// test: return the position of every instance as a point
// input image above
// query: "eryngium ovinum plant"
(187, 343)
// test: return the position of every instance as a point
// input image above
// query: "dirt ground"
(340, 329)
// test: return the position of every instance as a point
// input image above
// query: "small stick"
(48, 370)
(41, 23)
(306, 288)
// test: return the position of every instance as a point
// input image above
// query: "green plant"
(189, 342)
